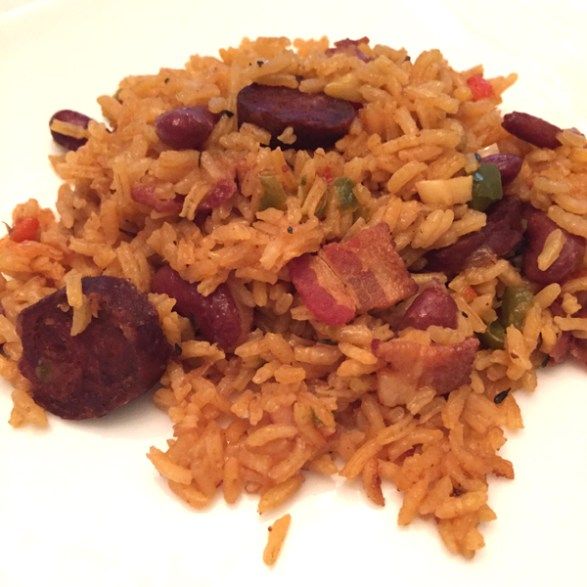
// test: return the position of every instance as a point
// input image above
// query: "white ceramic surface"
(80, 505)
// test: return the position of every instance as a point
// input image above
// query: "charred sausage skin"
(119, 356)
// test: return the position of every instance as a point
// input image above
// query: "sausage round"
(120, 355)
(317, 119)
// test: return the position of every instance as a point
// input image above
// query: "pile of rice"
(298, 398)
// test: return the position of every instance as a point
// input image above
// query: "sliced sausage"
(317, 119)
(569, 260)
(219, 317)
(120, 355)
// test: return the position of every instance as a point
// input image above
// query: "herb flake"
(500, 397)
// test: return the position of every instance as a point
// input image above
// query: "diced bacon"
(370, 268)
(442, 367)
(144, 193)
(221, 193)
(219, 317)
(321, 290)
(480, 87)
(25, 229)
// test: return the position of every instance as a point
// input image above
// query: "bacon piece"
(218, 316)
(321, 290)
(370, 268)
(433, 306)
(144, 193)
(442, 367)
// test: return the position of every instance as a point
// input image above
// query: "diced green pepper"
(515, 303)
(274, 195)
(487, 187)
(344, 191)
(320, 211)
(493, 337)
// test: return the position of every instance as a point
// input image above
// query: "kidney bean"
(501, 234)
(433, 306)
(220, 193)
(185, 128)
(350, 47)
(218, 317)
(317, 119)
(569, 260)
(144, 193)
(74, 118)
(509, 165)
(532, 129)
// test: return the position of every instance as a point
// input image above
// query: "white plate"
(81, 505)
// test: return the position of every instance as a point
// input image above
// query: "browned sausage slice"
(120, 355)
(317, 119)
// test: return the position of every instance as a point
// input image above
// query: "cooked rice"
(299, 395)
(275, 539)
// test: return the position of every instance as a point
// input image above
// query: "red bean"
(569, 260)
(185, 128)
(509, 165)
(218, 317)
(317, 119)
(532, 129)
(145, 193)
(433, 306)
(501, 234)
(350, 47)
(221, 193)
(70, 117)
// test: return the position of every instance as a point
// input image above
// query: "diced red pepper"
(326, 174)
(25, 229)
(479, 87)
